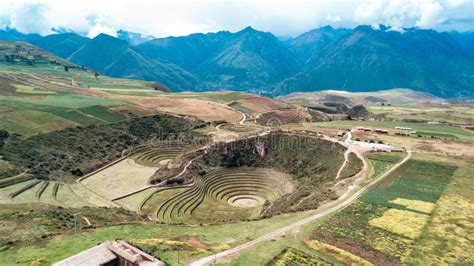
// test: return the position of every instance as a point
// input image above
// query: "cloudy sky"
(181, 17)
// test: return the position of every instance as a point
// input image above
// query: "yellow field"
(404, 223)
(336, 253)
(416, 205)
(449, 236)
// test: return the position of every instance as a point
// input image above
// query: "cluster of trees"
(302, 157)
(312, 162)
(70, 153)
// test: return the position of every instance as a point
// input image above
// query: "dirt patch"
(261, 104)
(286, 116)
(195, 242)
(203, 109)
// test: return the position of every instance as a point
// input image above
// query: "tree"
(4, 134)
(66, 68)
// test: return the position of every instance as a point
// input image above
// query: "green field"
(239, 107)
(381, 162)
(365, 227)
(213, 238)
(426, 129)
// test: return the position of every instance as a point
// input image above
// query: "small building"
(367, 129)
(404, 128)
(381, 131)
(111, 253)
(397, 150)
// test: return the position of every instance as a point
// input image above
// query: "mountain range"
(360, 59)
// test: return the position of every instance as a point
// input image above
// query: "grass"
(152, 155)
(67, 197)
(385, 223)
(447, 237)
(415, 205)
(152, 203)
(353, 166)
(207, 200)
(212, 237)
(405, 223)
(292, 256)
(66, 100)
(135, 201)
(337, 254)
(429, 129)
(239, 107)
(381, 162)
(121, 178)
(102, 113)
(29, 117)
(29, 122)
(23, 224)
(416, 179)
(23, 89)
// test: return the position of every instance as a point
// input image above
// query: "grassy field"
(384, 225)
(205, 239)
(30, 116)
(381, 162)
(424, 128)
(239, 107)
(447, 237)
(119, 179)
(134, 202)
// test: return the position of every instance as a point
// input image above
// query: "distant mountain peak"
(249, 28)
(326, 28)
(133, 38)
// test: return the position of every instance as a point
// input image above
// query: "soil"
(261, 104)
(195, 242)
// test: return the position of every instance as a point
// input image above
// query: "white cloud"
(100, 27)
(431, 14)
(181, 17)
(333, 19)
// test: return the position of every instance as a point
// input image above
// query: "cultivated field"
(392, 216)
(119, 179)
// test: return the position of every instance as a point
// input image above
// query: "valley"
(230, 177)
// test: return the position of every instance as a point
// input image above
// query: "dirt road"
(341, 203)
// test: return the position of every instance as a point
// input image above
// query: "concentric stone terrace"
(243, 187)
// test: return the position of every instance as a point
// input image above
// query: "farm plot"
(234, 193)
(291, 256)
(386, 222)
(286, 116)
(121, 178)
(381, 162)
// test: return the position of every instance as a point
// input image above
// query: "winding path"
(342, 202)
